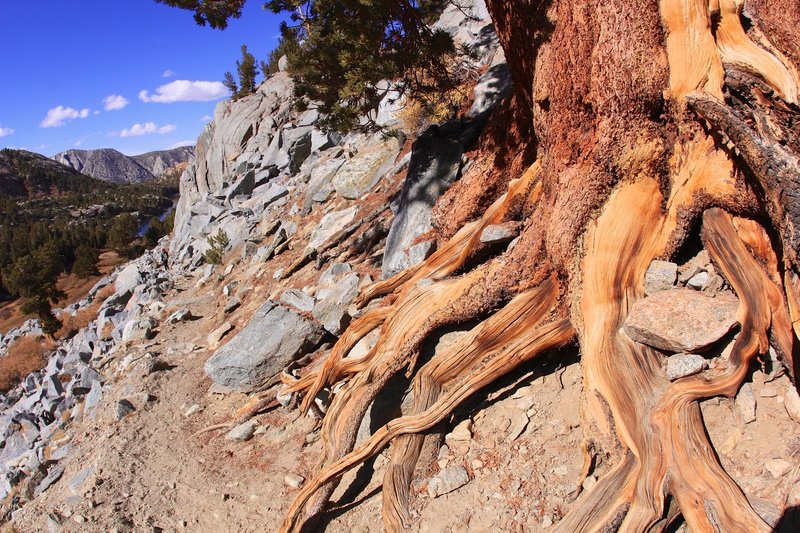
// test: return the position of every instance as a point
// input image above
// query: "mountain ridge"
(108, 164)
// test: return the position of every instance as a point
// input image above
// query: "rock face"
(660, 276)
(359, 174)
(272, 339)
(162, 160)
(435, 165)
(110, 165)
(681, 320)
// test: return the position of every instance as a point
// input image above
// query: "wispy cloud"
(77, 143)
(5, 132)
(58, 116)
(182, 143)
(206, 118)
(114, 102)
(168, 74)
(186, 91)
(148, 128)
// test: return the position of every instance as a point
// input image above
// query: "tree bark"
(636, 125)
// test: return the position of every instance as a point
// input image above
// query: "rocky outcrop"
(110, 165)
(260, 144)
(275, 336)
(35, 414)
(436, 161)
(160, 161)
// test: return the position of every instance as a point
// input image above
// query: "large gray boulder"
(435, 165)
(363, 171)
(275, 336)
(128, 278)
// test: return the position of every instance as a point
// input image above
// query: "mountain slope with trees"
(56, 220)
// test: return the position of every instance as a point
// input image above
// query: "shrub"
(217, 242)
(26, 355)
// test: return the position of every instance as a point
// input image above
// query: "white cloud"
(186, 91)
(77, 143)
(148, 128)
(114, 102)
(58, 116)
(5, 132)
(206, 118)
(182, 143)
(168, 74)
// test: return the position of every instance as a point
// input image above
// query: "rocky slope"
(165, 413)
(110, 165)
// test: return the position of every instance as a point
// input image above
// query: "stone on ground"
(681, 320)
(275, 336)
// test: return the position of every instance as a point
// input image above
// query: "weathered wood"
(625, 174)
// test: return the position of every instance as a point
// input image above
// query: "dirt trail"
(522, 449)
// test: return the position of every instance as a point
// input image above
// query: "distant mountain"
(159, 162)
(26, 174)
(110, 165)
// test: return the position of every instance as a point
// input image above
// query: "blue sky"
(74, 72)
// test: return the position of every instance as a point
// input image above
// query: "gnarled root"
(660, 423)
(514, 335)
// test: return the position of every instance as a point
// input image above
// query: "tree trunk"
(636, 126)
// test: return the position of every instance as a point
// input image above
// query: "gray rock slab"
(746, 404)
(128, 278)
(448, 480)
(297, 299)
(330, 225)
(685, 364)
(435, 164)
(363, 171)
(242, 432)
(499, 233)
(275, 336)
(681, 320)
(53, 475)
(123, 409)
(660, 276)
(216, 336)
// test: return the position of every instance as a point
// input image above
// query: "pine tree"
(247, 70)
(230, 84)
(122, 233)
(216, 247)
(85, 265)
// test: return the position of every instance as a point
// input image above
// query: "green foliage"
(230, 83)
(215, 13)
(35, 274)
(217, 244)
(339, 51)
(247, 70)
(158, 228)
(44, 204)
(348, 47)
(34, 277)
(85, 265)
(122, 233)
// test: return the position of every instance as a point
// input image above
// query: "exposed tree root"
(452, 255)
(489, 351)
(617, 185)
